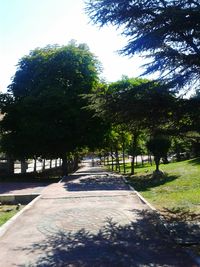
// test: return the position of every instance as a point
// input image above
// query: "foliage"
(165, 31)
(180, 145)
(137, 103)
(158, 146)
(44, 110)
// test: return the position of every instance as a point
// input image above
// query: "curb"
(144, 201)
(4, 228)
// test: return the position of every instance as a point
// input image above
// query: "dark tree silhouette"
(159, 146)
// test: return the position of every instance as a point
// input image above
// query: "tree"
(166, 31)
(136, 105)
(180, 146)
(159, 146)
(44, 110)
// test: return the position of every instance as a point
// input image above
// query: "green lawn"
(7, 212)
(178, 189)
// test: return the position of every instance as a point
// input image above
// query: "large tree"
(167, 31)
(44, 110)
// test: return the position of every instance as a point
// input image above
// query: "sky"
(27, 24)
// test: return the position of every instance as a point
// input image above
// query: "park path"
(92, 220)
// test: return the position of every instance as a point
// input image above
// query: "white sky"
(27, 24)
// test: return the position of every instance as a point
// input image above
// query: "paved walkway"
(94, 220)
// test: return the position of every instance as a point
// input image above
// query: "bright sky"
(27, 24)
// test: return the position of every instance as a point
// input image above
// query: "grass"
(7, 212)
(175, 194)
(178, 188)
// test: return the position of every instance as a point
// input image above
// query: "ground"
(92, 220)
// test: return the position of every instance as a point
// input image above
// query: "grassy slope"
(179, 188)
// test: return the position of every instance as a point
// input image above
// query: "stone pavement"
(94, 220)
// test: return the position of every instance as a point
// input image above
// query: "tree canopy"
(45, 112)
(158, 146)
(138, 103)
(166, 31)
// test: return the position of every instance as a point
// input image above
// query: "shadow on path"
(140, 243)
(96, 182)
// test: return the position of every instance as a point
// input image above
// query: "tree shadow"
(143, 242)
(92, 170)
(21, 188)
(94, 182)
(145, 182)
(184, 224)
(47, 176)
(195, 161)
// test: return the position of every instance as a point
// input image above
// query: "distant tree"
(44, 113)
(166, 31)
(118, 139)
(159, 146)
(180, 145)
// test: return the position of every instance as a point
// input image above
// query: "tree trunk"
(117, 160)
(134, 146)
(112, 159)
(133, 164)
(123, 156)
(157, 162)
(43, 165)
(150, 159)
(11, 167)
(23, 166)
(64, 165)
(119, 164)
(116, 166)
(35, 165)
